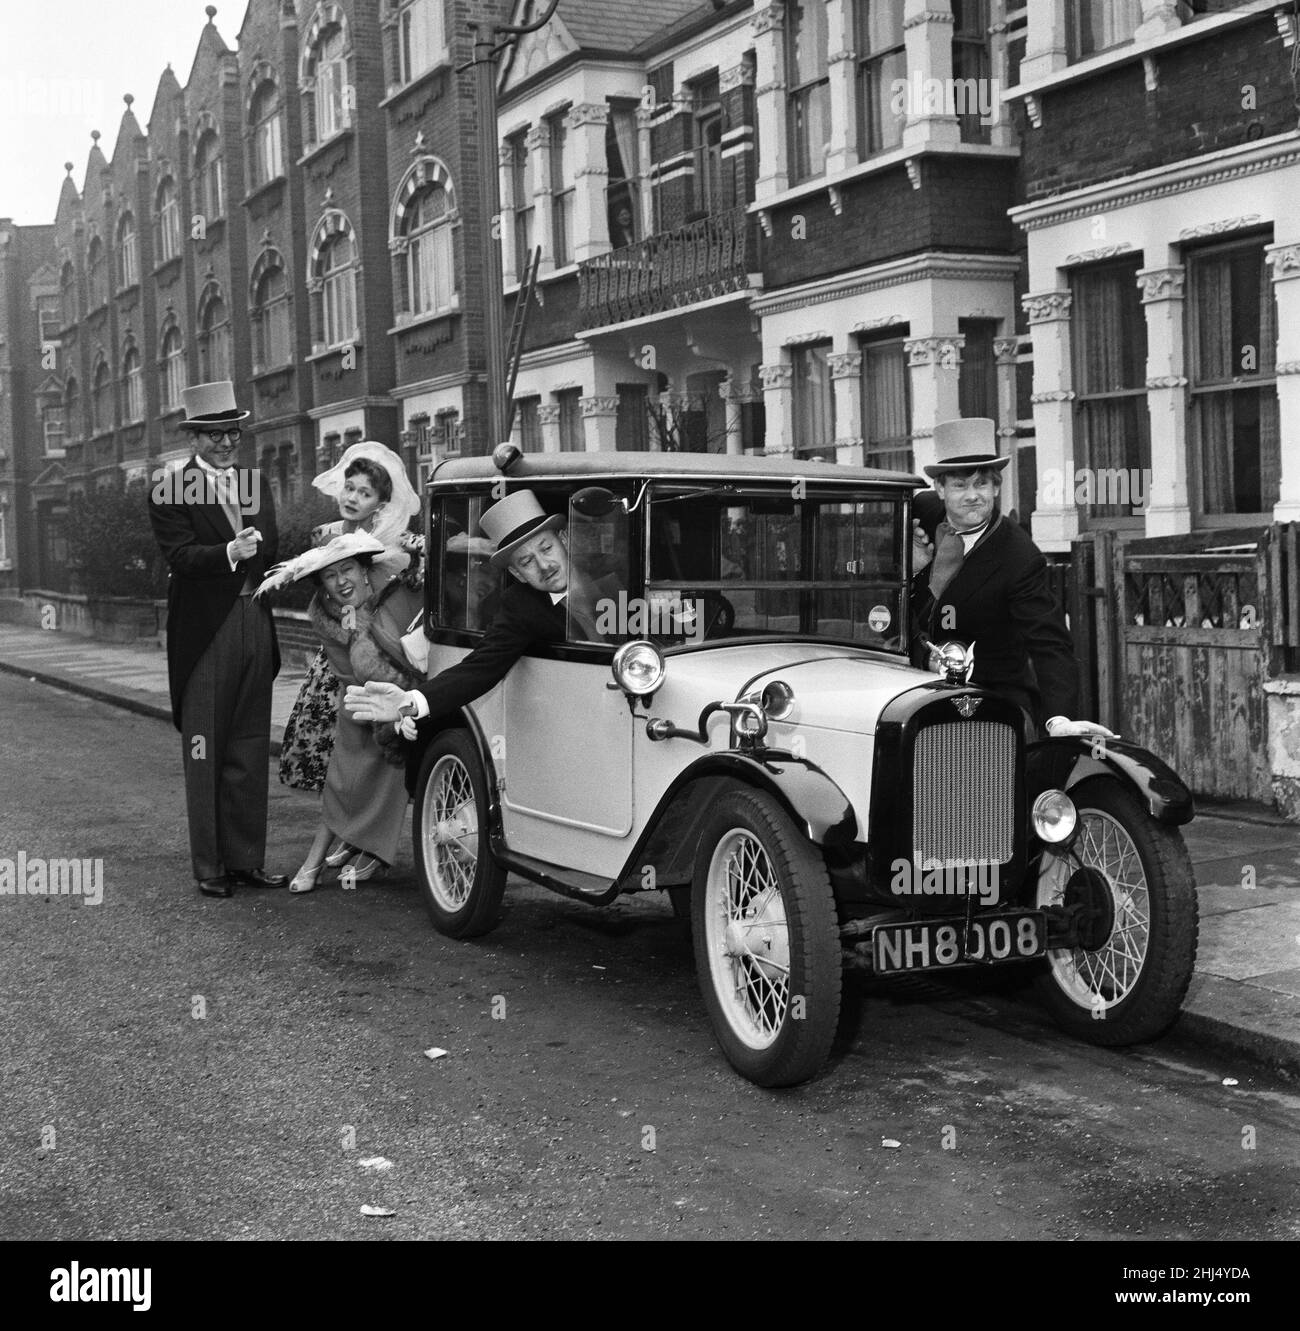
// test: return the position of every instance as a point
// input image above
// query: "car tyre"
(1134, 880)
(766, 940)
(460, 881)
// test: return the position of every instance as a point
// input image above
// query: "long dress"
(309, 731)
(364, 799)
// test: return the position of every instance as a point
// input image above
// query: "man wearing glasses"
(215, 525)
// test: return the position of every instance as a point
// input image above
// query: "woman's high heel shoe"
(363, 867)
(305, 879)
(339, 852)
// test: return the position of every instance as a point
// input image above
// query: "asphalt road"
(176, 1067)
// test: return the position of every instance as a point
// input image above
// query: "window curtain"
(886, 407)
(1215, 415)
(1270, 425)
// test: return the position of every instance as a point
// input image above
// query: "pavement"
(1244, 999)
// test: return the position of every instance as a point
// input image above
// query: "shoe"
(363, 867)
(217, 887)
(339, 852)
(305, 879)
(257, 878)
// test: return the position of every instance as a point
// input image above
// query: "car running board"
(574, 883)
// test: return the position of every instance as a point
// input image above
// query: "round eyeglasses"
(216, 436)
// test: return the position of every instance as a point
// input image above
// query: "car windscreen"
(810, 562)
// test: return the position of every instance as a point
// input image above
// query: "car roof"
(688, 466)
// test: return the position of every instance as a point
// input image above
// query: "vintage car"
(739, 721)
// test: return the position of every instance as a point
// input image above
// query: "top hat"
(512, 520)
(965, 445)
(208, 405)
(351, 545)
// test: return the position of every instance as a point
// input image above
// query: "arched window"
(172, 369)
(210, 176)
(168, 209)
(430, 269)
(128, 257)
(101, 398)
(133, 378)
(333, 100)
(96, 264)
(264, 123)
(214, 341)
(333, 280)
(272, 331)
(68, 294)
(72, 408)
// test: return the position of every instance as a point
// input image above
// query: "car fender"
(819, 807)
(1064, 762)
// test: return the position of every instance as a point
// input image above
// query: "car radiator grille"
(964, 794)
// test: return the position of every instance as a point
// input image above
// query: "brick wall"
(1110, 125)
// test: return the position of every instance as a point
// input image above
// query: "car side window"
(597, 602)
(468, 584)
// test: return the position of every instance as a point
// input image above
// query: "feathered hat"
(357, 545)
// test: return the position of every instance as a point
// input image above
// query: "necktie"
(948, 556)
(228, 498)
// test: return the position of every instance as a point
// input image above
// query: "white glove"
(1062, 725)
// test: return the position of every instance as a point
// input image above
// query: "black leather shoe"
(217, 887)
(258, 878)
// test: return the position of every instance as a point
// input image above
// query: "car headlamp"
(1055, 816)
(639, 668)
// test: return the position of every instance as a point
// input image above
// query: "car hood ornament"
(967, 706)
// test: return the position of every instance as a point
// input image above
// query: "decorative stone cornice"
(1104, 252)
(1167, 381)
(846, 365)
(587, 113)
(1056, 395)
(398, 245)
(776, 378)
(738, 76)
(1162, 284)
(777, 85)
(506, 153)
(1006, 349)
(768, 19)
(928, 16)
(1219, 227)
(942, 351)
(548, 413)
(806, 335)
(871, 325)
(1046, 306)
(538, 137)
(1284, 260)
(598, 406)
(1287, 367)
(1177, 178)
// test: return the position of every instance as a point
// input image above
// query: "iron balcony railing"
(702, 260)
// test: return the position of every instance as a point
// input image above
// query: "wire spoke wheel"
(461, 883)
(766, 940)
(1129, 886)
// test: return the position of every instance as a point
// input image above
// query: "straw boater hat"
(210, 406)
(965, 445)
(510, 522)
(358, 545)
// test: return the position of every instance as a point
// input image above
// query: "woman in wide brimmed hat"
(360, 609)
(373, 494)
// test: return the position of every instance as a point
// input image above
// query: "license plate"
(927, 945)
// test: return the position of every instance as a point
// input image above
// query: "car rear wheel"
(766, 941)
(461, 883)
(1131, 882)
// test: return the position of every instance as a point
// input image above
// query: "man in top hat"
(981, 580)
(215, 525)
(546, 600)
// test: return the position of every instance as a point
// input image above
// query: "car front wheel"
(1130, 883)
(461, 883)
(766, 940)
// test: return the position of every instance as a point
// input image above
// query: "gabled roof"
(53, 475)
(592, 27)
(130, 136)
(95, 164)
(69, 198)
(211, 47)
(168, 89)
